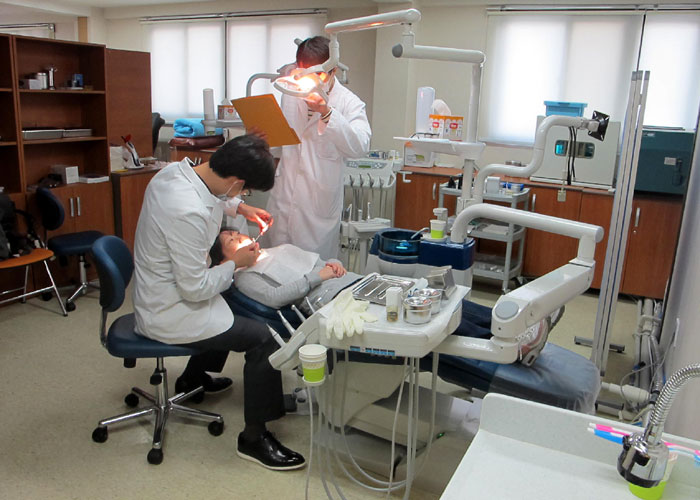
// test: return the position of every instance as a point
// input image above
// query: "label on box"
(453, 128)
(437, 125)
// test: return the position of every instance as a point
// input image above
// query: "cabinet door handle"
(534, 200)
(403, 177)
(72, 208)
(636, 217)
(434, 189)
(78, 198)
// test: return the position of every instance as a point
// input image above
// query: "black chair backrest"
(156, 123)
(51, 209)
(115, 266)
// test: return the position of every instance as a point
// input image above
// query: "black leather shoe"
(268, 452)
(212, 385)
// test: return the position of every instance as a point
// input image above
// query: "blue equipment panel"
(664, 161)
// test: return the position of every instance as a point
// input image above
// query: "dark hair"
(216, 252)
(247, 157)
(313, 51)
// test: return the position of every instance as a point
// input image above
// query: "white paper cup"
(437, 229)
(313, 363)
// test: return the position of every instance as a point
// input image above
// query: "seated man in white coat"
(307, 198)
(177, 293)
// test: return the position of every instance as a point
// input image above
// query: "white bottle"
(393, 304)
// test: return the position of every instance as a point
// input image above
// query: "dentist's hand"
(246, 256)
(261, 217)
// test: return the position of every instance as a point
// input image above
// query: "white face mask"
(226, 196)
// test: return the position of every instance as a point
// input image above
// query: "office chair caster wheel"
(216, 428)
(99, 435)
(46, 296)
(131, 400)
(155, 456)
(70, 306)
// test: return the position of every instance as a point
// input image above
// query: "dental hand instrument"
(298, 313)
(276, 336)
(286, 324)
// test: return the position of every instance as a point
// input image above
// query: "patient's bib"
(284, 263)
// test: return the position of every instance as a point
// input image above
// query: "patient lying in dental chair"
(286, 274)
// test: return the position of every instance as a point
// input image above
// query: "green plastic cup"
(313, 363)
(655, 492)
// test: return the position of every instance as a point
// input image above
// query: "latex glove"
(348, 316)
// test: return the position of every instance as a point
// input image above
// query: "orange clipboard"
(262, 112)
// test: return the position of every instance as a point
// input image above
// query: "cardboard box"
(437, 126)
(69, 173)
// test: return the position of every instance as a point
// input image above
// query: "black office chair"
(156, 123)
(65, 245)
(115, 267)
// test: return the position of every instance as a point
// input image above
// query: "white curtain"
(532, 58)
(262, 45)
(671, 52)
(187, 57)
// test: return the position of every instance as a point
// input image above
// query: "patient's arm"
(265, 291)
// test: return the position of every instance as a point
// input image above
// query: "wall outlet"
(561, 195)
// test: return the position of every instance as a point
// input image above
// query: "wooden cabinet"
(10, 170)
(545, 251)
(62, 107)
(129, 98)
(129, 190)
(418, 195)
(651, 241)
(651, 245)
(596, 208)
(87, 207)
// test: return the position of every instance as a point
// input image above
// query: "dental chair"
(558, 377)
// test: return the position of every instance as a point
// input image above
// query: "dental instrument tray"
(374, 286)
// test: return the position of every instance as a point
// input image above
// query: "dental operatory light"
(306, 81)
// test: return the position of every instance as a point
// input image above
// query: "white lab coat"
(307, 199)
(176, 293)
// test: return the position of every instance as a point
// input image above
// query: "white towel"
(284, 263)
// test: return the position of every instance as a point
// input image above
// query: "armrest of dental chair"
(245, 306)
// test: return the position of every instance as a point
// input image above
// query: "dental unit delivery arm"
(522, 308)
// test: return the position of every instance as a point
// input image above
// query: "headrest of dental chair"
(244, 305)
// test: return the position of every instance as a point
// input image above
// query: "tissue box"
(69, 173)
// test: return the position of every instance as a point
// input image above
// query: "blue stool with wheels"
(65, 245)
(115, 267)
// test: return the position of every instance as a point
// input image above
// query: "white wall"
(682, 304)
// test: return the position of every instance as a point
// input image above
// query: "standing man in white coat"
(177, 293)
(307, 199)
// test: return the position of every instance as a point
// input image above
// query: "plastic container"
(313, 363)
(393, 303)
(564, 108)
(437, 229)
